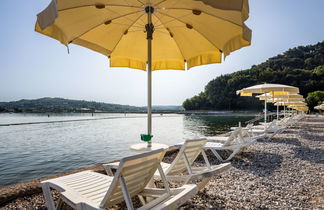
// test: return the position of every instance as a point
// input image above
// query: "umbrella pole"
(149, 30)
(277, 112)
(265, 109)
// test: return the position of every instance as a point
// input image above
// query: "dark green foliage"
(197, 102)
(302, 67)
(315, 98)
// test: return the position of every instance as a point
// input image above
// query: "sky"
(34, 66)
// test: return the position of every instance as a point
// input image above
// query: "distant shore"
(285, 172)
(201, 112)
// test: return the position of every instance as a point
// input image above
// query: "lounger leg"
(48, 197)
(59, 204)
(203, 183)
(140, 197)
(233, 154)
(150, 184)
(217, 155)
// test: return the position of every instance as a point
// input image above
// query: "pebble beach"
(285, 172)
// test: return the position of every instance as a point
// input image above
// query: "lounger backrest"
(234, 137)
(270, 125)
(191, 149)
(136, 171)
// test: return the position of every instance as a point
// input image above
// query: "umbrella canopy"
(299, 107)
(274, 89)
(195, 32)
(287, 103)
(275, 98)
(150, 34)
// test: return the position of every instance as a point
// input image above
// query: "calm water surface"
(38, 150)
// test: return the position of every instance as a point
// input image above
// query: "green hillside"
(302, 67)
(63, 105)
(66, 105)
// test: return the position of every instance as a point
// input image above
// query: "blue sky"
(34, 66)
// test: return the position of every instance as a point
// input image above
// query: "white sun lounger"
(181, 169)
(222, 139)
(273, 128)
(90, 190)
(236, 143)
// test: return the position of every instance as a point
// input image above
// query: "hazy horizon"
(35, 66)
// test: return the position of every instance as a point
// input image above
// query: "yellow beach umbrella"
(274, 89)
(299, 107)
(290, 103)
(150, 34)
(275, 98)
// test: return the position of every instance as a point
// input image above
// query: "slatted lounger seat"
(91, 190)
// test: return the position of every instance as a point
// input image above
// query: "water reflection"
(206, 125)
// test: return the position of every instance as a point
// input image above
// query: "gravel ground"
(285, 172)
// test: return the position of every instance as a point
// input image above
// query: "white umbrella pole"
(277, 112)
(265, 108)
(149, 31)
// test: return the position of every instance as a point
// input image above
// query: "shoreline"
(284, 172)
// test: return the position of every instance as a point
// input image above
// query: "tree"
(315, 98)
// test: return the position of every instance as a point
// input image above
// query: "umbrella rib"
(123, 24)
(172, 18)
(160, 2)
(103, 23)
(172, 5)
(128, 27)
(206, 14)
(90, 5)
(119, 14)
(193, 29)
(172, 38)
(140, 2)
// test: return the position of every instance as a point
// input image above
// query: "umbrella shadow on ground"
(317, 129)
(260, 164)
(315, 120)
(282, 140)
(308, 154)
(312, 137)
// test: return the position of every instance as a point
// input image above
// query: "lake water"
(33, 151)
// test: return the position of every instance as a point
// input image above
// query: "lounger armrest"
(179, 196)
(109, 166)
